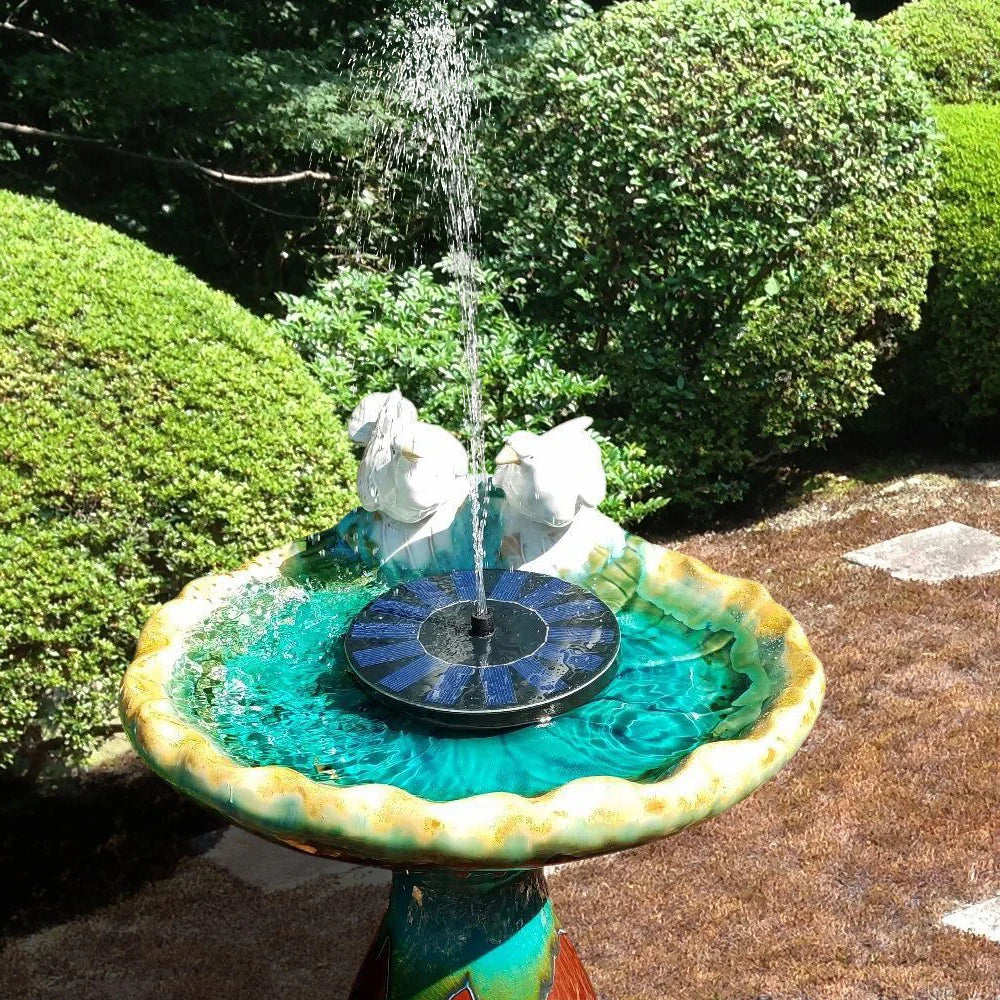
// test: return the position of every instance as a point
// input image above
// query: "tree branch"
(39, 35)
(169, 161)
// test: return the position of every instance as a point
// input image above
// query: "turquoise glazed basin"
(240, 697)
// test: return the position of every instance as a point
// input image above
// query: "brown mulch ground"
(828, 884)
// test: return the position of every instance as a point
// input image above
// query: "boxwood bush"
(364, 332)
(953, 44)
(150, 430)
(724, 206)
(950, 372)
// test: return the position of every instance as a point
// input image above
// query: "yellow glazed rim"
(381, 824)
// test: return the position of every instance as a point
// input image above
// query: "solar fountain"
(334, 696)
(469, 678)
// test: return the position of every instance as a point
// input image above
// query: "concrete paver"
(932, 555)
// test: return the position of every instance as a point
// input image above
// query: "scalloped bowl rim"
(384, 825)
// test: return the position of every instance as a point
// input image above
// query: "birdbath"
(246, 694)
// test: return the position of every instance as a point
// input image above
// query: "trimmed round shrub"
(953, 44)
(150, 430)
(950, 372)
(724, 206)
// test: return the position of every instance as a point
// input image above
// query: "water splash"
(425, 80)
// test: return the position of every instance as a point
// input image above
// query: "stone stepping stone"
(981, 919)
(934, 555)
(273, 868)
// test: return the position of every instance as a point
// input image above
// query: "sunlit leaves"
(736, 198)
(364, 332)
(151, 430)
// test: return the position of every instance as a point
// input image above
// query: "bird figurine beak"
(508, 456)
(409, 445)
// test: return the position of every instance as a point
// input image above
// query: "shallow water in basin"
(266, 679)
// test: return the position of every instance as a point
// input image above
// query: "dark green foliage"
(953, 44)
(724, 206)
(365, 332)
(150, 430)
(253, 88)
(950, 372)
(242, 90)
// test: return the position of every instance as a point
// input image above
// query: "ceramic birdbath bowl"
(242, 696)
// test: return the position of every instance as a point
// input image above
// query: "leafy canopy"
(366, 332)
(724, 207)
(953, 44)
(253, 88)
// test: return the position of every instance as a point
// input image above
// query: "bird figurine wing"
(573, 426)
(375, 472)
(580, 456)
(593, 483)
(548, 477)
(429, 468)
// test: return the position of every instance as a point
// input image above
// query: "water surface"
(266, 679)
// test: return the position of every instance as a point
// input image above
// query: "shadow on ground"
(70, 849)
(104, 895)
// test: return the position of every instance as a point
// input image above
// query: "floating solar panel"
(554, 647)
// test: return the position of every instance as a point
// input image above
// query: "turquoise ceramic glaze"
(266, 679)
(483, 934)
(240, 696)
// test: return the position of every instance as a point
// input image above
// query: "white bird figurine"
(409, 469)
(549, 477)
(362, 421)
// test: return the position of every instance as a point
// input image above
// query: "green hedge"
(724, 206)
(953, 44)
(950, 373)
(366, 332)
(151, 430)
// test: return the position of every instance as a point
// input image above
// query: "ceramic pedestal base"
(471, 936)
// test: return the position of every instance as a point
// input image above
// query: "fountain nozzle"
(482, 624)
